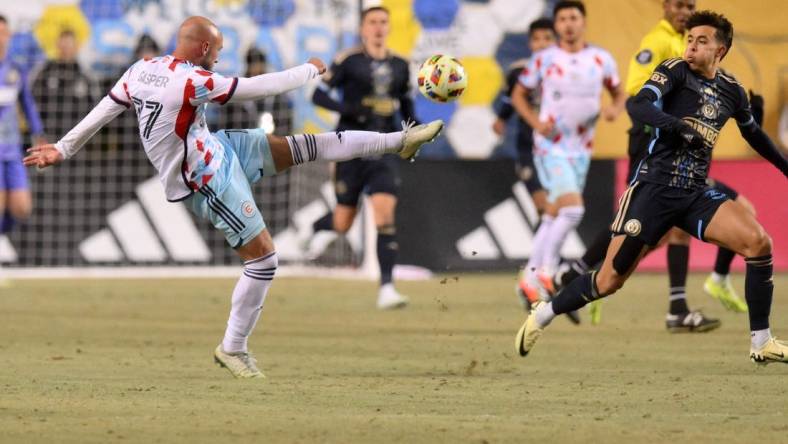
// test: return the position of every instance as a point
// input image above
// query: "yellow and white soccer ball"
(442, 78)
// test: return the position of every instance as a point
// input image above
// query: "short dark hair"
(542, 23)
(723, 26)
(373, 9)
(3, 19)
(67, 32)
(567, 4)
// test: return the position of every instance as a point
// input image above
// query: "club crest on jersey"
(644, 57)
(709, 110)
(248, 209)
(633, 227)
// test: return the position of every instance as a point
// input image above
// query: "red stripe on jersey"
(209, 84)
(206, 178)
(598, 60)
(203, 72)
(557, 138)
(208, 157)
(175, 62)
(538, 63)
(186, 113)
(126, 90)
(200, 145)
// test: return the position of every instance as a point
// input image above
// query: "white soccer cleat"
(241, 365)
(389, 298)
(529, 333)
(772, 351)
(413, 137)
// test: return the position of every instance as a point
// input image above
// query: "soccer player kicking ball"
(212, 173)
(670, 186)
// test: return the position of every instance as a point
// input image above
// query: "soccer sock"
(758, 289)
(247, 303)
(7, 222)
(678, 261)
(722, 265)
(535, 260)
(568, 218)
(325, 223)
(577, 294)
(591, 258)
(342, 145)
(387, 252)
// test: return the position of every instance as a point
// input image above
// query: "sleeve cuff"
(118, 101)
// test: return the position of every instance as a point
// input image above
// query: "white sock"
(759, 338)
(248, 298)
(568, 219)
(718, 278)
(342, 145)
(535, 261)
(544, 314)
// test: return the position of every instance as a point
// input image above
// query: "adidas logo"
(508, 231)
(148, 229)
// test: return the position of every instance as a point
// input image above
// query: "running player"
(668, 40)
(375, 88)
(540, 36)
(212, 173)
(571, 76)
(15, 200)
(670, 187)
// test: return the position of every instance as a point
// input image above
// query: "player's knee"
(758, 243)
(342, 225)
(678, 236)
(609, 283)
(263, 267)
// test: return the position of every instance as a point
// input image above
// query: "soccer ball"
(442, 78)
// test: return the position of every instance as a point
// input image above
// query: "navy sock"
(577, 294)
(678, 262)
(7, 223)
(722, 265)
(325, 223)
(387, 252)
(758, 289)
(591, 258)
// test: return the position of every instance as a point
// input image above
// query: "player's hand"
(610, 113)
(42, 156)
(545, 128)
(692, 138)
(321, 67)
(499, 127)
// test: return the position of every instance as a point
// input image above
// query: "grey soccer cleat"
(413, 137)
(241, 365)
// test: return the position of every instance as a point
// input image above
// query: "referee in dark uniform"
(375, 96)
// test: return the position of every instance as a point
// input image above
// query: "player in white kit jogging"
(571, 75)
(212, 173)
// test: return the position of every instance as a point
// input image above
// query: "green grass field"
(130, 361)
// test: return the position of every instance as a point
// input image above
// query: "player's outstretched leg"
(718, 284)
(622, 257)
(259, 267)
(346, 145)
(733, 227)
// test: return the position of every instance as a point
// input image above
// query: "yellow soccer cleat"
(725, 293)
(529, 333)
(241, 365)
(414, 137)
(772, 351)
(595, 311)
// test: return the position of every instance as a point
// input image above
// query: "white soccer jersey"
(571, 88)
(170, 96)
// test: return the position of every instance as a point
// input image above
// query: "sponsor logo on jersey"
(708, 132)
(658, 77)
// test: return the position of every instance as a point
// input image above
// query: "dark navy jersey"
(505, 111)
(376, 92)
(705, 104)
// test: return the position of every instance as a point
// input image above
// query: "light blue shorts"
(562, 175)
(227, 200)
